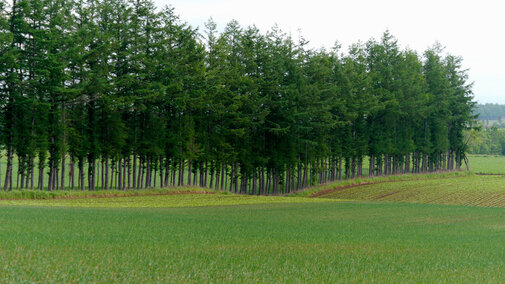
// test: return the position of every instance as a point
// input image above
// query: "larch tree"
(121, 95)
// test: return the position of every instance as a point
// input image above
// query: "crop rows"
(484, 191)
(188, 199)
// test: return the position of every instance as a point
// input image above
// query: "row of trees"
(488, 140)
(116, 94)
(488, 111)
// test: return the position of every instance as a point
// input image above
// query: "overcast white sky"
(471, 29)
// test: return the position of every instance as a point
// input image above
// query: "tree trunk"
(212, 172)
(32, 171)
(119, 175)
(41, 179)
(232, 177)
(134, 170)
(225, 179)
(128, 164)
(148, 173)
(223, 176)
(20, 168)
(81, 174)
(254, 184)
(181, 175)
(167, 173)
(93, 174)
(8, 171)
(189, 171)
(63, 164)
(139, 174)
(305, 173)
(142, 172)
(174, 171)
(407, 163)
(205, 175)
(195, 175)
(57, 178)
(72, 174)
(106, 179)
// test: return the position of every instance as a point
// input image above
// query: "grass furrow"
(469, 190)
(188, 199)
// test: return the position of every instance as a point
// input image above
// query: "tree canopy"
(120, 94)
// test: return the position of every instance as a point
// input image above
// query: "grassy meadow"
(487, 164)
(407, 228)
(304, 242)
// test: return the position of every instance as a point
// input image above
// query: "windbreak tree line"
(117, 94)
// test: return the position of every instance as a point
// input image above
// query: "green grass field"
(487, 164)
(408, 228)
(317, 242)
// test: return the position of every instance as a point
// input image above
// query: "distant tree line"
(490, 111)
(100, 94)
(489, 141)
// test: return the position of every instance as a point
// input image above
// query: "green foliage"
(489, 141)
(132, 96)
